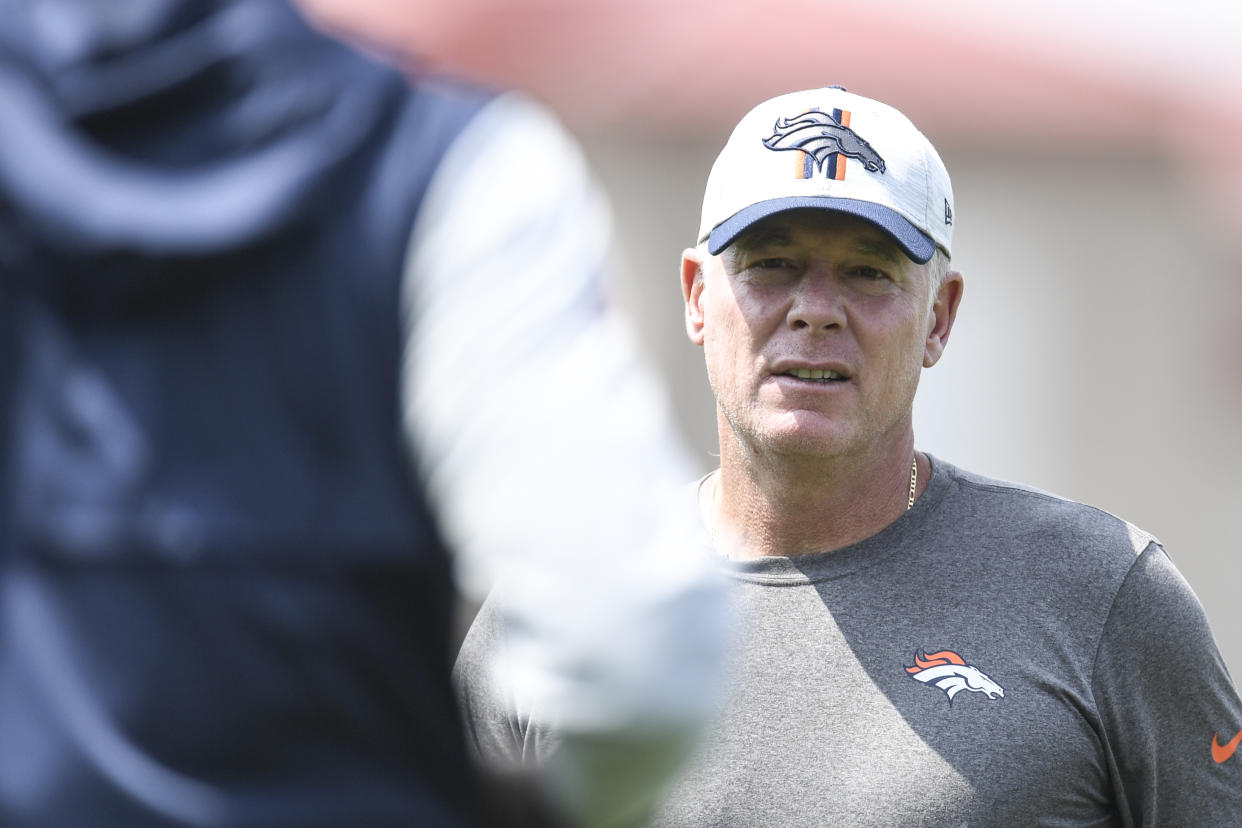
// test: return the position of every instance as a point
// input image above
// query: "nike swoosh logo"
(1221, 753)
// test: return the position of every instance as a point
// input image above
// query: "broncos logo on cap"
(949, 671)
(820, 135)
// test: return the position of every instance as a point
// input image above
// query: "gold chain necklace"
(914, 481)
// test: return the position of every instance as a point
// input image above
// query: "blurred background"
(1096, 156)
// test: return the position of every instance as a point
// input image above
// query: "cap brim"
(918, 246)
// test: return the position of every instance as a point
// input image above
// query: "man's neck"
(789, 506)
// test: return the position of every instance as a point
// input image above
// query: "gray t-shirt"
(996, 656)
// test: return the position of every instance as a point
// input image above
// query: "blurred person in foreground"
(283, 328)
(920, 645)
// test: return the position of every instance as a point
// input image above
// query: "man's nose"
(817, 304)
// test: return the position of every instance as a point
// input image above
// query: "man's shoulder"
(1023, 511)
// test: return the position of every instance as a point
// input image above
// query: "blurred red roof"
(691, 68)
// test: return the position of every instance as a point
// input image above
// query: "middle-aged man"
(921, 645)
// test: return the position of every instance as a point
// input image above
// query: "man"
(920, 645)
(282, 329)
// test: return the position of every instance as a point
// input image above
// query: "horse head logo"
(949, 672)
(820, 135)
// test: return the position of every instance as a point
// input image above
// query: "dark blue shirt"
(223, 599)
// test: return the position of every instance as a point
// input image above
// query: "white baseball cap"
(833, 150)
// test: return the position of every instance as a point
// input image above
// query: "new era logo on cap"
(896, 178)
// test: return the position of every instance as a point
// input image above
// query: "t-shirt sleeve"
(1165, 699)
(495, 730)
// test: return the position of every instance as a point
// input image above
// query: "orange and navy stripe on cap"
(835, 166)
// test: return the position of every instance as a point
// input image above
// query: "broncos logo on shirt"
(949, 672)
(820, 135)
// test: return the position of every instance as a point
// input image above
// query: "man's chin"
(806, 435)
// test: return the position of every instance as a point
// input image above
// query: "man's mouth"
(818, 374)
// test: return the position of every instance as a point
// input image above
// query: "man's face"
(815, 326)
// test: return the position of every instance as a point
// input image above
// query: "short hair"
(937, 272)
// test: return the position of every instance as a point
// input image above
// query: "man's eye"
(870, 273)
(771, 264)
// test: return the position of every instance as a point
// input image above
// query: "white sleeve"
(549, 454)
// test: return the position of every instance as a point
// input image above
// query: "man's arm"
(1164, 694)
(549, 454)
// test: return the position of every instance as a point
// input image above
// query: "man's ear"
(692, 293)
(943, 314)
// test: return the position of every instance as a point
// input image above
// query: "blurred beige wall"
(1094, 356)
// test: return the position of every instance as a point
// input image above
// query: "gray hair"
(937, 270)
